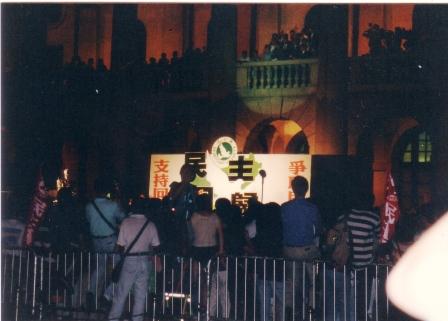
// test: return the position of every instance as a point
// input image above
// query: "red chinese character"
(296, 167)
(160, 192)
(161, 180)
(161, 166)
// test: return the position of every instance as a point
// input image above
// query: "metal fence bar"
(227, 288)
(34, 281)
(163, 283)
(41, 287)
(236, 288)
(245, 289)
(19, 287)
(284, 291)
(33, 311)
(5, 262)
(11, 291)
(255, 290)
(304, 294)
(49, 278)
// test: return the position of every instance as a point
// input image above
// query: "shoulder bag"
(117, 269)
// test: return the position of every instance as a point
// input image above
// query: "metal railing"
(274, 78)
(45, 286)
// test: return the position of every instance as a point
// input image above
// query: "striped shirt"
(364, 227)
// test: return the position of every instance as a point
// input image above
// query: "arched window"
(418, 150)
(277, 137)
(412, 168)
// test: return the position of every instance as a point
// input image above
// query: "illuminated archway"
(277, 136)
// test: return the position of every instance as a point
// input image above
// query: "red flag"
(390, 212)
(37, 210)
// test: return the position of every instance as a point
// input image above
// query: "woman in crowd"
(207, 236)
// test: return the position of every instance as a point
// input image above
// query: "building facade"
(364, 95)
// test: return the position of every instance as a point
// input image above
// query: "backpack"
(338, 245)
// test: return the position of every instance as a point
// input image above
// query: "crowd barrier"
(48, 286)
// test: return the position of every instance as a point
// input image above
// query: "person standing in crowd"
(207, 233)
(182, 194)
(268, 243)
(104, 217)
(137, 264)
(301, 228)
(363, 225)
(182, 199)
(67, 226)
(207, 236)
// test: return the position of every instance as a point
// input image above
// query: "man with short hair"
(104, 216)
(136, 267)
(301, 226)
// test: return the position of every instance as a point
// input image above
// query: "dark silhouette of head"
(65, 195)
(139, 206)
(299, 186)
(204, 203)
(187, 173)
(102, 186)
(222, 204)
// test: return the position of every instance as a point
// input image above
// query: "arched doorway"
(411, 167)
(277, 136)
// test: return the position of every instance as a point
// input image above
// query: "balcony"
(384, 73)
(277, 78)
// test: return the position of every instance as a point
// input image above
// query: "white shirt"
(129, 229)
(205, 229)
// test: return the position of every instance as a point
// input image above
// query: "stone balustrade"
(277, 78)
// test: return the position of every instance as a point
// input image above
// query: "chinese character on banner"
(161, 179)
(161, 166)
(198, 161)
(391, 211)
(240, 167)
(297, 167)
(242, 200)
(160, 192)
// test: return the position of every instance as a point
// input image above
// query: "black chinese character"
(198, 161)
(241, 167)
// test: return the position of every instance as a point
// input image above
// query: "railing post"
(243, 77)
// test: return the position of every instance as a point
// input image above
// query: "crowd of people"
(186, 72)
(383, 41)
(178, 73)
(284, 46)
(184, 224)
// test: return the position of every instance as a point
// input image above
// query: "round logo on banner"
(224, 149)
